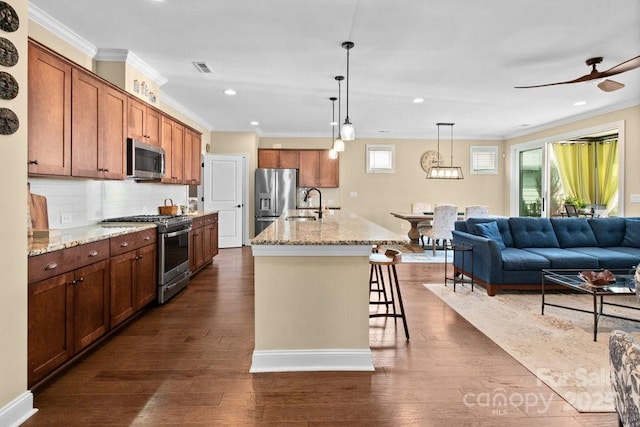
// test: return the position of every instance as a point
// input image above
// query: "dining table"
(416, 218)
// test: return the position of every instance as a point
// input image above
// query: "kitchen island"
(312, 292)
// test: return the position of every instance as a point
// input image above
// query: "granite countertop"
(337, 227)
(67, 238)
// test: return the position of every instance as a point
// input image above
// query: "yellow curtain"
(607, 155)
(576, 165)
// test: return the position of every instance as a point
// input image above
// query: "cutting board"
(38, 210)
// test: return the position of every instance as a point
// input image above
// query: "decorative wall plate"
(9, 122)
(9, 20)
(8, 53)
(8, 86)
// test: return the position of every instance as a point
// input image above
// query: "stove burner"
(164, 222)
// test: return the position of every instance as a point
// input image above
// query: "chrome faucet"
(306, 197)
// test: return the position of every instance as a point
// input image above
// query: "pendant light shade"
(338, 144)
(445, 172)
(348, 132)
(333, 154)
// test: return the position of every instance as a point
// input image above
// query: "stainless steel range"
(173, 251)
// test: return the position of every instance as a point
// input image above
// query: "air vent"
(203, 67)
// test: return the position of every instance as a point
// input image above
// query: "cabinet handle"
(93, 254)
(73, 282)
(139, 256)
(51, 266)
(32, 162)
(147, 238)
(80, 280)
(124, 244)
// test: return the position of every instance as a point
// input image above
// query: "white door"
(223, 184)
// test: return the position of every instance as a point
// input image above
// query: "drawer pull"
(93, 254)
(124, 244)
(51, 266)
(147, 238)
(33, 162)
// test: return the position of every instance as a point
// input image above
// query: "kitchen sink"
(301, 218)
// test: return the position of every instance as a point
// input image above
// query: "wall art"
(8, 86)
(8, 53)
(9, 20)
(9, 122)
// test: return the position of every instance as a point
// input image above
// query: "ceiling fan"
(606, 85)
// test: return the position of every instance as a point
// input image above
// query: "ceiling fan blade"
(610, 85)
(578, 80)
(622, 67)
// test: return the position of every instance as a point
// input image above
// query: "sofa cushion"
(631, 234)
(533, 233)
(610, 258)
(573, 232)
(518, 259)
(608, 231)
(503, 227)
(634, 252)
(565, 258)
(491, 232)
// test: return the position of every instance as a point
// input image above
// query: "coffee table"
(568, 278)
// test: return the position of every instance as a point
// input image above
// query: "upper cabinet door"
(112, 154)
(97, 129)
(136, 119)
(152, 126)
(49, 98)
(329, 169)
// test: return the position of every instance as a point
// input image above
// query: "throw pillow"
(490, 231)
(632, 234)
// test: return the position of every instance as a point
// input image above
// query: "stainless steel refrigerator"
(275, 194)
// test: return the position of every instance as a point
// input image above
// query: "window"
(484, 160)
(381, 158)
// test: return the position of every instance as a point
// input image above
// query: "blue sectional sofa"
(509, 253)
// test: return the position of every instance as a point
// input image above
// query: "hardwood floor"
(187, 363)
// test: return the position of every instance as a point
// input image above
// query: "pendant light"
(338, 144)
(348, 132)
(445, 172)
(333, 154)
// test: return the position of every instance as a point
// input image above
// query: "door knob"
(239, 206)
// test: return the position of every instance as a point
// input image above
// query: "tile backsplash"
(78, 202)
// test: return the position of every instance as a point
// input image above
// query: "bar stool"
(390, 258)
(375, 278)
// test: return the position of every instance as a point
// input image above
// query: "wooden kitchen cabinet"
(68, 298)
(173, 144)
(49, 109)
(318, 170)
(278, 158)
(133, 276)
(192, 157)
(98, 128)
(144, 122)
(203, 241)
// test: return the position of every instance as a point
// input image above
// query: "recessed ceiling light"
(418, 100)
(579, 103)
(254, 123)
(229, 92)
(384, 131)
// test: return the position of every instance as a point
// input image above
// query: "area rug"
(557, 347)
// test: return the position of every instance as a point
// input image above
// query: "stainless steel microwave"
(144, 161)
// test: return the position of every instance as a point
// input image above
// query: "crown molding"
(170, 102)
(130, 58)
(41, 18)
(572, 119)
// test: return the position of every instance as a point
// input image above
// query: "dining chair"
(476, 211)
(444, 217)
(571, 210)
(423, 226)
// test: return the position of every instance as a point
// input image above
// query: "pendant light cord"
(347, 117)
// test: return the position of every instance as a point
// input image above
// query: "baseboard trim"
(311, 360)
(18, 410)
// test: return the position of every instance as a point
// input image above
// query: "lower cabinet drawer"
(53, 263)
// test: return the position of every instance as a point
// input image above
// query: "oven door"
(173, 255)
